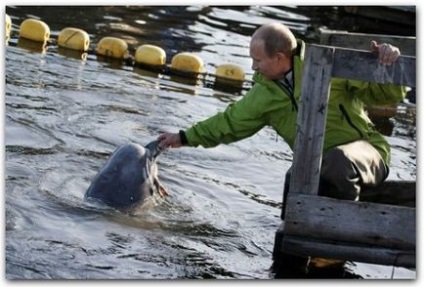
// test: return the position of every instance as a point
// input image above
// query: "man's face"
(271, 67)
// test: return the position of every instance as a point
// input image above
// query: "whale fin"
(160, 188)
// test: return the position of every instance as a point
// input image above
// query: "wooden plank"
(348, 251)
(401, 193)
(311, 119)
(319, 217)
(364, 66)
(360, 41)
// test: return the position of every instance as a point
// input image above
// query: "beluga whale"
(128, 177)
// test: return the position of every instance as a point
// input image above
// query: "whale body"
(129, 176)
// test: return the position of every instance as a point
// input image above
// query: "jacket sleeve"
(239, 120)
(377, 94)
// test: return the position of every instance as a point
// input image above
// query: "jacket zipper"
(346, 115)
(289, 92)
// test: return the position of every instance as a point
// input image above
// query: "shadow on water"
(66, 112)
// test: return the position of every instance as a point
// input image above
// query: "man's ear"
(280, 56)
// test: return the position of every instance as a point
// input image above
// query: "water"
(64, 116)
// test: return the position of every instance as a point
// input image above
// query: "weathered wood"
(349, 251)
(381, 225)
(364, 66)
(311, 119)
(327, 227)
(362, 41)
(401, 193)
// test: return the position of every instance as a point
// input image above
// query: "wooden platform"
(399, 20)
(373, 230)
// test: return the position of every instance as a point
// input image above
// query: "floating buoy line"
(228, 77)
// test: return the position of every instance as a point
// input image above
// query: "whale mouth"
(154, 148)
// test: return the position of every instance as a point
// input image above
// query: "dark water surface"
(64, 116)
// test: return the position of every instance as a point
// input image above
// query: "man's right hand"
(169, 140)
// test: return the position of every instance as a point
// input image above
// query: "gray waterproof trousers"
(346, 170)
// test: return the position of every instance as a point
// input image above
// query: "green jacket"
(268, 104)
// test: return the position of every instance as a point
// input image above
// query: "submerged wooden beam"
(379, 225)
(350, 251)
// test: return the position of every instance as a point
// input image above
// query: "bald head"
(276, 38)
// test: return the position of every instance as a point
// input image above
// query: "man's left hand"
(387, 54)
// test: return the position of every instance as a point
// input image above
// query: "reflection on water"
(65, 113)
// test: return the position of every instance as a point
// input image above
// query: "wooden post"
(311, 119)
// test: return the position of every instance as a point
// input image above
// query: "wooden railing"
(339, 229)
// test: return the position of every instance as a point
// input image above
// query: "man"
(355, 155)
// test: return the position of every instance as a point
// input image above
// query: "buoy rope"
(209, 80)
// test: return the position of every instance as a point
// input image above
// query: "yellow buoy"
(187, 62)
(35, 30)
(8, 26)
(230, 71)
(74, 38)
(150, 55)
(113, 47)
